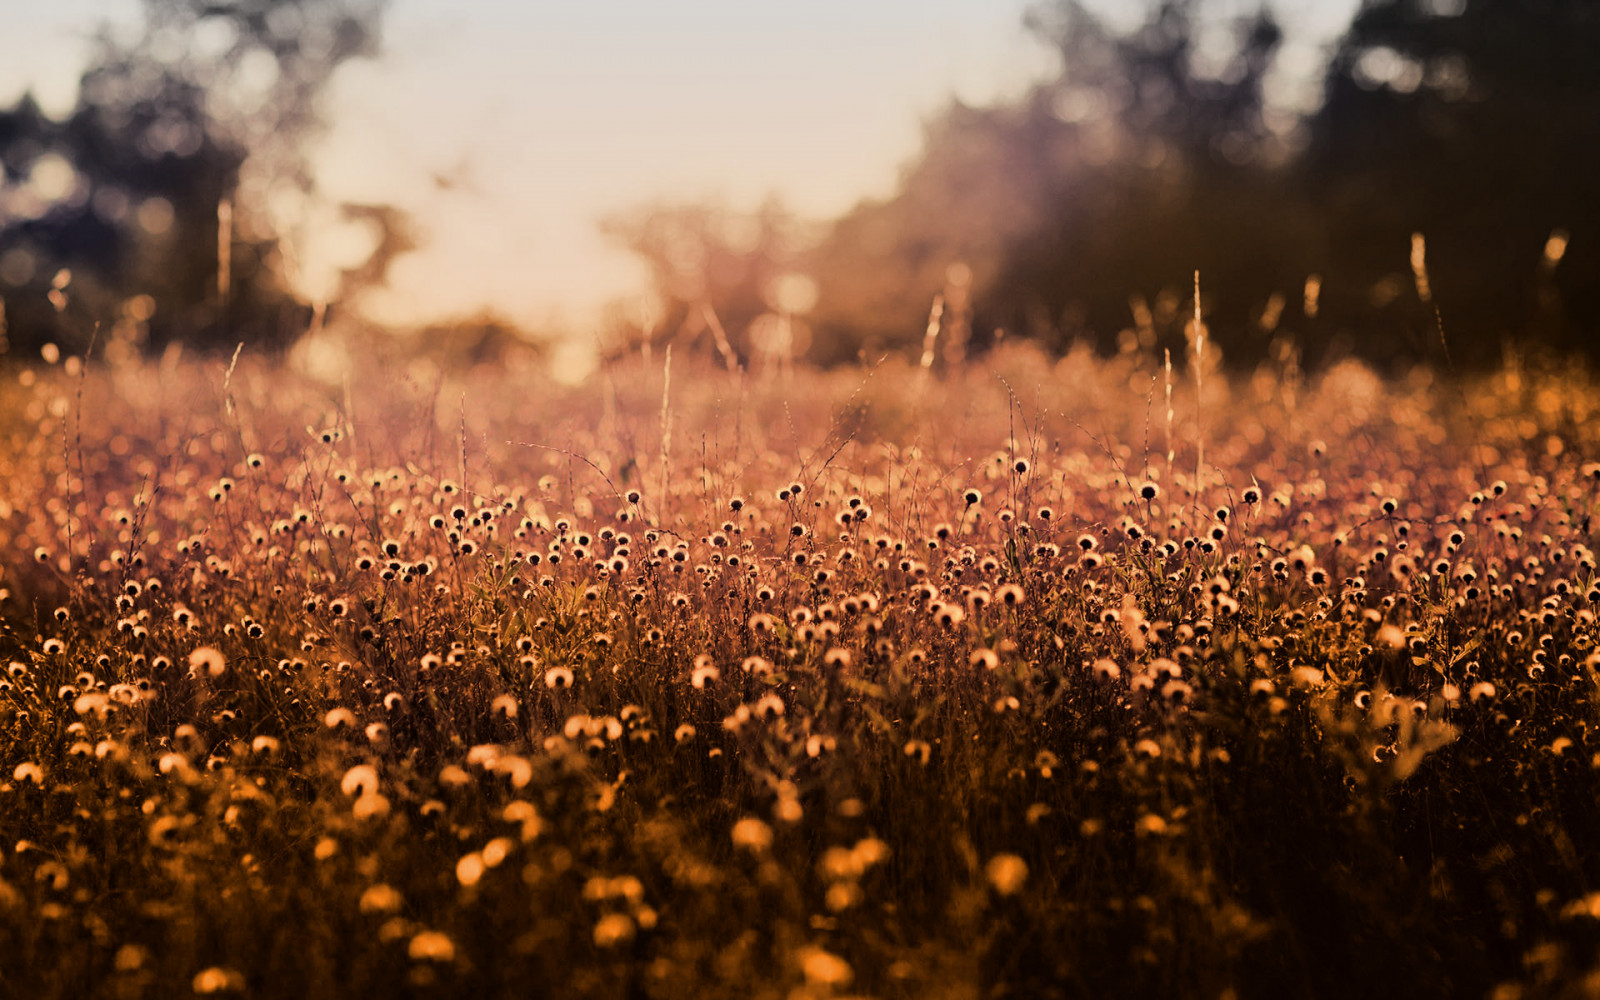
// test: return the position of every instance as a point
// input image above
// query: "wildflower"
(752, 835)
(1176, 691)
(339, 718)
(613, 929)
(469, 869)
(1006, 873)
(495, 851)
(360, 780)
(380, 898)
(1306, 677)
(217, 979)
(841, 863)
(871, 851)
(1106, 670)
(370, 805)
(988, 659)
(733, 723)
(1046, 762)
(1302, 559)
(558, 677)
(704, 671)
(1390, 637)
(208, 659)
(823, 968)
(840, 896)
(131, 958)
(523, 813)
(170, 763)
(431, 946)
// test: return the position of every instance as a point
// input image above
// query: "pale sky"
(556, 114)
(547, 115)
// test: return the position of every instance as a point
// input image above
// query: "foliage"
(154, 210)
(1476, 124)
(1082, 210)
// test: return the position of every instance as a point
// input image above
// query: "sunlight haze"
(507, 130)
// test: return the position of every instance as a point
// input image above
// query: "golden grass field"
(1011, 681)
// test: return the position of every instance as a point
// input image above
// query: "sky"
(508, 127)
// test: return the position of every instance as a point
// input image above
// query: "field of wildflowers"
(1039, 678)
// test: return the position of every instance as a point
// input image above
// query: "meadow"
(1041, 677)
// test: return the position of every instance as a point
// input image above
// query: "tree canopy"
(1082, 210)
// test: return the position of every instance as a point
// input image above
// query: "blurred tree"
(1476, 123)
(486, 338)
(1140, 163)
(154, 207)
(1082, 209)
(974, 193)
(714, 273)
(1175, 167)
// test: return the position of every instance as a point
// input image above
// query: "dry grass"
(906, 689)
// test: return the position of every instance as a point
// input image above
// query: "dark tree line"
(1481, 129)
(1082, 210)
